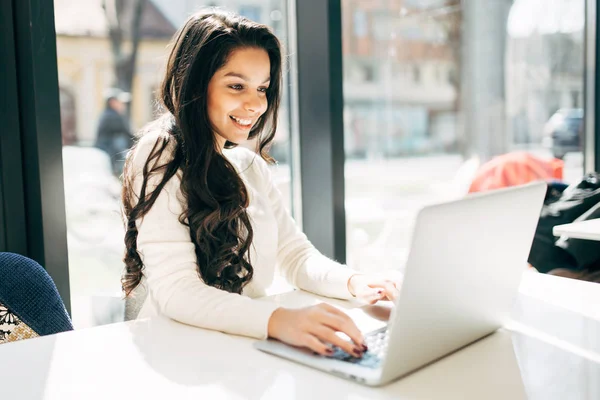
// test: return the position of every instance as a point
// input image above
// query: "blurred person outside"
(94, 228)
(114, 131)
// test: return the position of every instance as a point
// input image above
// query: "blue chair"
(30, 305)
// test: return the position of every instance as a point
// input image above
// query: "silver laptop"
(461, 279)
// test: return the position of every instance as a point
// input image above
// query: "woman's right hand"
(315, 327)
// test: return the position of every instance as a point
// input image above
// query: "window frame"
(34, 199)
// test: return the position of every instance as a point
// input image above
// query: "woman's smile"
(242, 123)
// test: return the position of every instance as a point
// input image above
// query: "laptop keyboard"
(376, 341)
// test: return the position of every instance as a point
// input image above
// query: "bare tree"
(124, 19)
(446, 16)
(449, 18)
(469, 26)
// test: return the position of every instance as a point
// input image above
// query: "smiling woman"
(230, 57)
(206, 225)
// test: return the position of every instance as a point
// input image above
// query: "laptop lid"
(462, 274)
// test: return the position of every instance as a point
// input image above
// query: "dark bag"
(564, 205)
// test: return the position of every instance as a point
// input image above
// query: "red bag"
(514, 169)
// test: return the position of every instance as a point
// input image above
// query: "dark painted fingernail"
(329, 351)
(357, 353)
(365, 348)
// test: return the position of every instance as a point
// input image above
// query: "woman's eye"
(263, 89)
(236, 87)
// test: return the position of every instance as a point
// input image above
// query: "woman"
(205, 224)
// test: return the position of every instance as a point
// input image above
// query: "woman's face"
(237, 94)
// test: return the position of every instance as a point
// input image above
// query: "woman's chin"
(239, 138)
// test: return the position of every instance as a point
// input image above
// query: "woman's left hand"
(371, 288)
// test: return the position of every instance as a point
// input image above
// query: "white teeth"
(241, 121)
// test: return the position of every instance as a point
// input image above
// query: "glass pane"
(87, 70)
(435, 89)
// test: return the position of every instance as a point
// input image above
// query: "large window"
(91, 59)
(435, 89)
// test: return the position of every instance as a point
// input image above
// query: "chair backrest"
(29, 293)
(134, 303)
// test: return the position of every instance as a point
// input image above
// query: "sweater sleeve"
(299, 261)
(171, 271)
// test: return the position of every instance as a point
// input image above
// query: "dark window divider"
(320, 121)
(591, 141)
(12, 209)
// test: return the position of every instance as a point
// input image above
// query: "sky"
(546, 16)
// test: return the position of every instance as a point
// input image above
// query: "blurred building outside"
(414, 69)
(85, 65)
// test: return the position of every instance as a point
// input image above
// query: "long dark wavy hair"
(216, 197)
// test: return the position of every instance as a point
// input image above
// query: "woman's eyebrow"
(244, 77)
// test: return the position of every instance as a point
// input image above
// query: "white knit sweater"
(171, 278)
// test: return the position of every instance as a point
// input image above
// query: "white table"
(552, 352)
(589, 229)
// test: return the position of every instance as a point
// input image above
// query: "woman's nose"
(254, 104)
